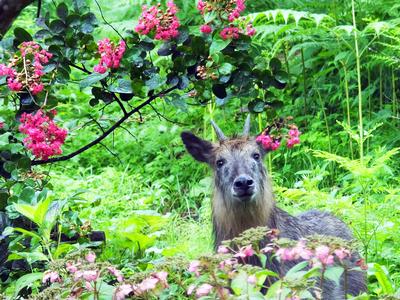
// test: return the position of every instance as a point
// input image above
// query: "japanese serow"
(243, 198)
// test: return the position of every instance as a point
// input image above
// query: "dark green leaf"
(92, 79)
(218, 44)
(256, 106)
(62, 11)
(57, 26)
(22, 35)
(219, 91)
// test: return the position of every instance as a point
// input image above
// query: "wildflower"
(1, 125)
(206, 29)
(250, 30)
(268, 142)
(285, 254)
(122, 291)
(222, 250)
(194, 267)
(162, 276)
(203, 290)
(44, 137)
(148, 284)
(342, 253)
(245, 252)
(201, 6)
(322, 253)
(252, 279)
(51, 276)
(90, 275)
(113, 271)
(190, 289)
(71, 267)
(90, 257)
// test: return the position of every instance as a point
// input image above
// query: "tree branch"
(106, 133)
(9, 10)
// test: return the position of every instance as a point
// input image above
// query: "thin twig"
(105, 21)
(107, 132)
(165, 118)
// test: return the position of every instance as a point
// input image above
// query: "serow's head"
(237, 163)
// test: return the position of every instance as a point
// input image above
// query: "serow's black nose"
(243, 185)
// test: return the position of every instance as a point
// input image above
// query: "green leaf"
(4, 139)
(124, 87)
(300, 266)
(92, 79)
(30, 257)
(22, 35)
(256, 106)
(57, 26)
(383, 279)
(239, 283)
(334, 273)
(226, 69)
(218, 44)
(62, 11)
(26, 281)
(27, 194)
(155, 82)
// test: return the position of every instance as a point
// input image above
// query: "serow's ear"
(200, 149)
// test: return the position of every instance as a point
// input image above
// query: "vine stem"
(360, 113)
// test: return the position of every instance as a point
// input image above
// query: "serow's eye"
(256, 156)
(220, 163)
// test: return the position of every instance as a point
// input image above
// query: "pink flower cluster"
(268, 142)
(231, 9)
(164, 24)
(33, 59)
(44, 138)
(156, 280)
(1, 125)
(321, 255)
(294, 139)
(272, 142)
(51, 276)
(110, 55)
(201, 291)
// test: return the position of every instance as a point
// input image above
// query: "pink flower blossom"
(148, 284)
(322, 253)
(190, 289)
(252, 279)
(222, 250)
(164, 24)
(230, 33)
(14, 84)
(90, 275)
(1, 125)
(51, 276)
(250, 30)
(71, 267)
(245, 252)
(292, 141)
(285, 254)
(44, 137)
(203, 290)
(36, 88)
(113, 271)
(110, 55)
(122, 292)
(342, 253)
(268, 142)
(194, 267)
(90, 257)
(201, 6)
(206, 29)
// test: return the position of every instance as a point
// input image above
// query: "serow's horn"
(246, 128)
(220, 135)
